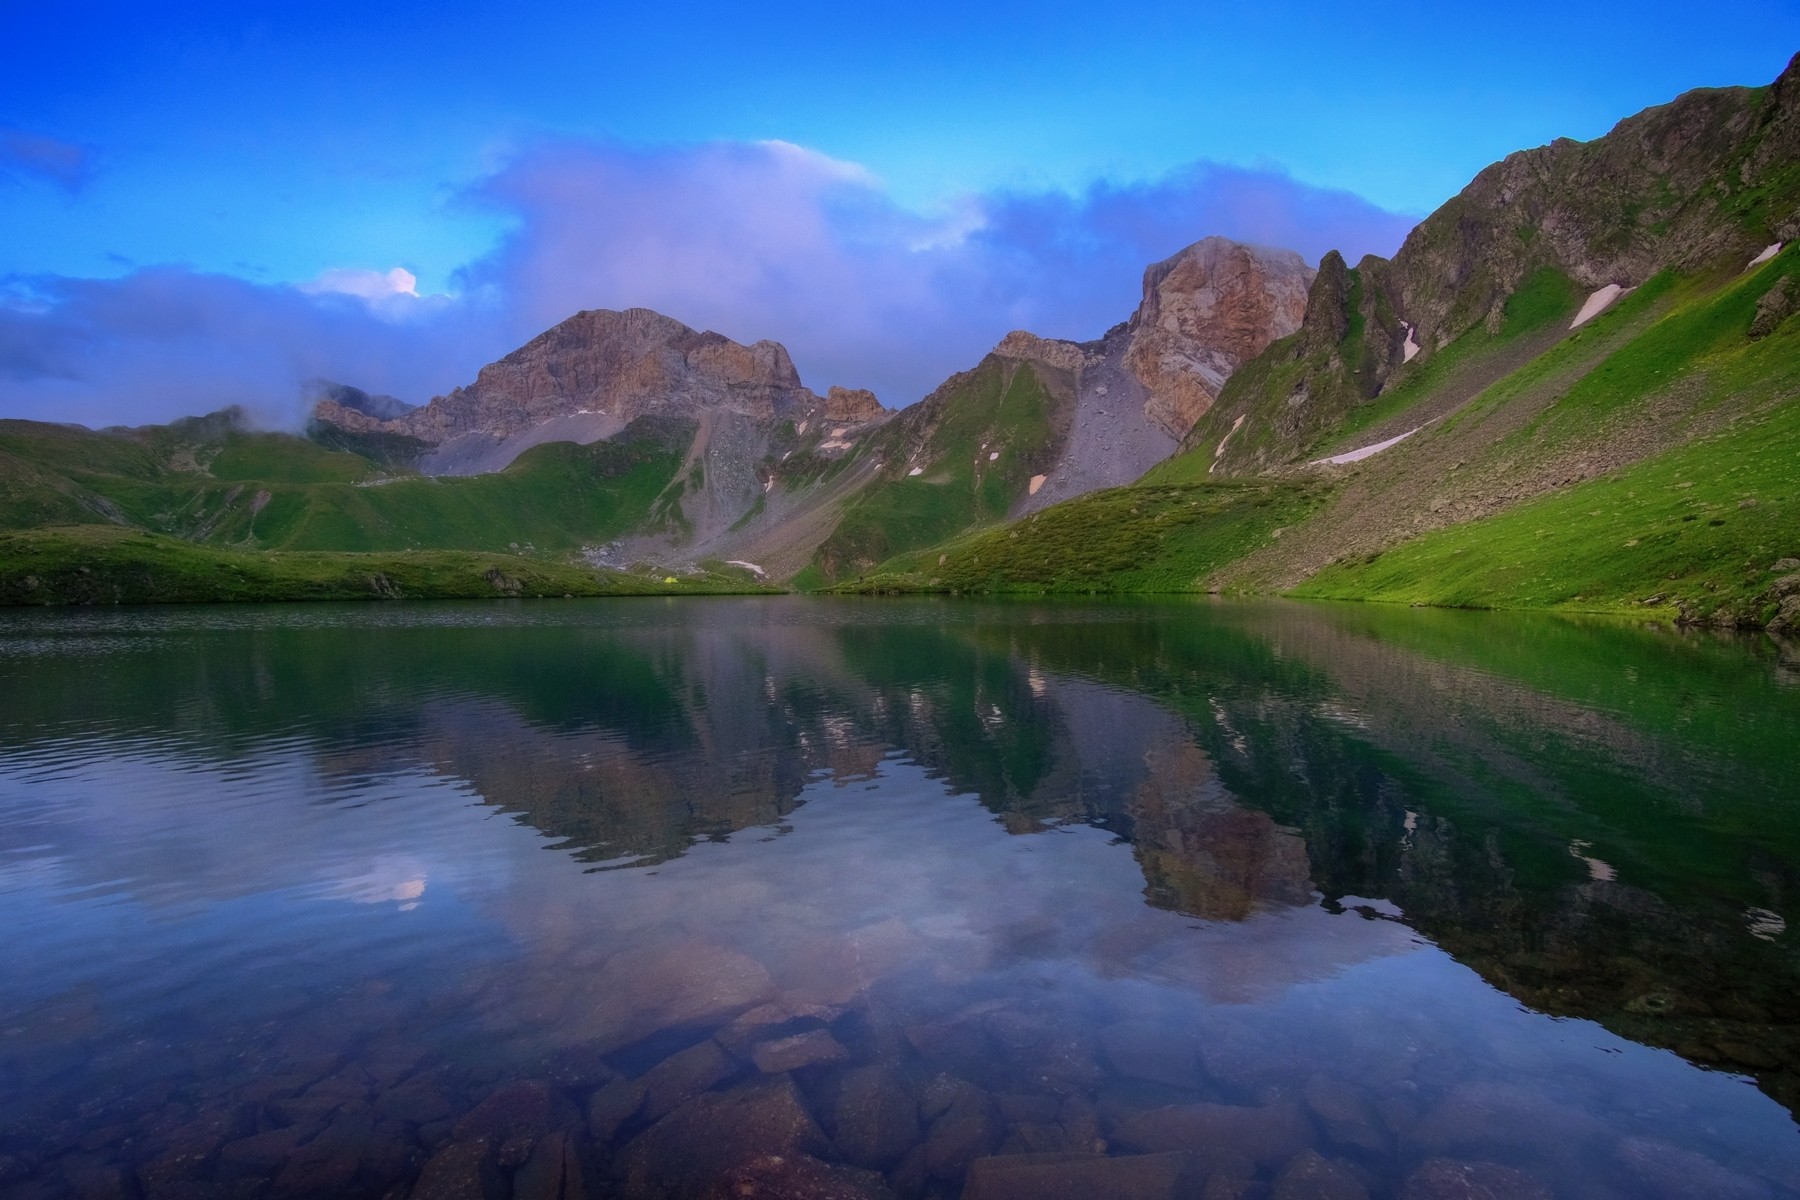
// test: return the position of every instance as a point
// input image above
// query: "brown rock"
(1268, 1136)
(1482, 1118)
(644, 990)
(681, 1077)
(1309, 1175)
(1452, 1179)
(1079, 1177)
(797, 1177)
(1152, 1051)
(1206, 311)
(525, 1109)
(418, 1101)
(612, 1106)
(691, 1148)
(852, 405)
(1345, 1113)
(1662, 1169)
(460, 1171)
(965, 1131)
(553, 1172)
(809, 1049)
(258, 1156)
(875, 1118)
(1052, 352)
(91, 1180)
(752, 1026)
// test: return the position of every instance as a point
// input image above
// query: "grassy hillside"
(107, 565)
(1136, 539)
(1645, 462)
(1697, 528)
(975, 444)
(213, 482)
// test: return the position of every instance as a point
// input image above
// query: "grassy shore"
(102, 565)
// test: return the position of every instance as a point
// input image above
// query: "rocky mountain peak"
(590, 376)
(1207, 310)
(1054, 352)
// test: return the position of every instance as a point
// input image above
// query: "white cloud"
(364, 284)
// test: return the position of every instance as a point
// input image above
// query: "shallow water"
(788, 897)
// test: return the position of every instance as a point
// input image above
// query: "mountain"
(591, 376)
(796, 484)
(1572, 387)
(1042, 420)
(1705, 182)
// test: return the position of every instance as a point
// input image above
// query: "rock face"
(597, 372)
(1206, 311)
(1138, 390)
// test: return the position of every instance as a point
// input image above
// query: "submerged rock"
(875, 1118)
(681, 1077)
(797, 1177)
(1268, 1136)
(1151, 1051)
(1452, 1179)
(1309, 1175)
(809, 1049)
(965, 1131)
(648, 989)
(1080, 1177)
(1346, 1114)
(693, 1147)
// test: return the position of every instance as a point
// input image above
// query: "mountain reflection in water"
(786, 897)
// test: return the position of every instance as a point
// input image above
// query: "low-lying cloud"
(755, 240)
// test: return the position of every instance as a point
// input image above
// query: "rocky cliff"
(1206, 311)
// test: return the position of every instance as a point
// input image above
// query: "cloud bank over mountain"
(754, 240)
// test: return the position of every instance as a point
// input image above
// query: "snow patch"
(1338, 460)
(748, 566)
(1410, 350)
(1765, 256)
(1220, 451)
(1037, 481)
(916, 471)
(1598, 303)
(995, 455)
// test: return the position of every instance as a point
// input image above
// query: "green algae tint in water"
(782, 897)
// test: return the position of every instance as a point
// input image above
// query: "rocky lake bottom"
(820, 899)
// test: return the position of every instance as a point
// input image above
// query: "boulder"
(797, 1177)
(1269, 1135)
(875, 1117)
(1309, 1175)
(693, 1147)
(1080, 1177)
(681, 1077)
(809, 1049)
(1454, 1179)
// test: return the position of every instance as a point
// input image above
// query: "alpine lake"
(837, 898)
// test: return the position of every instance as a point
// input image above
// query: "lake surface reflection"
(798, 898)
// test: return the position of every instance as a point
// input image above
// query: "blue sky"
(239, 150)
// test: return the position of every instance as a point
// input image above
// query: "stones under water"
(794, 898)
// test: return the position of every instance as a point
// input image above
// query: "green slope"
(1140, 539)
(976, 442)
(108, 565)
(1648, 461)
(210, 481)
